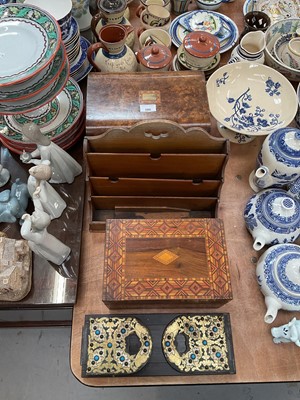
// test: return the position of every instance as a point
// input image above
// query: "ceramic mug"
(180, 6)
(154, 36)
(155, 15)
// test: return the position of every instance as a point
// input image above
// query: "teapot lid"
(156, 56)
(277, 211)
(112, 6)
(201, 44)
(284, 144)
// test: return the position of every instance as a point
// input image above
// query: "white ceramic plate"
(251, 98)
(29, 40)
(30, 87)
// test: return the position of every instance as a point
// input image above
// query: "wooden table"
(257, 358)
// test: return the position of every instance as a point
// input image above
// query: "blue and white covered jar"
(278, 276)
(278, 162)
(272, 216)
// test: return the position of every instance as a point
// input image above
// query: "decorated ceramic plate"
(29, 40)
(201, 21)
(250, 98)
(276, 9)
(228, 35)
(38, 82)
(40, 99)
(54, 119)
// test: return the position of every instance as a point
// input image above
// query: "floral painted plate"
(29, 40)
(228, 35)
(250, 98)
(276, 9)
(201, 21)
(54, 119)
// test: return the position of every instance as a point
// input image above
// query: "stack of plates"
(76, 47)
(62, 120)
(34, 64)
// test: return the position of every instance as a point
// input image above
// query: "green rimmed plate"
(29, 40)
(55, 119)
(38, 82)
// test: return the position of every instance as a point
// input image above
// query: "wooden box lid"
(121, 100)
(165, 261)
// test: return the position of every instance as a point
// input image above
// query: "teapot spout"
(273, 306)
(262, 178)
(259, 243)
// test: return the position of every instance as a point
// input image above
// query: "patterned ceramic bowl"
(274, 32)
(251, 98)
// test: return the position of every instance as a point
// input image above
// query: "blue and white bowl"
(250, 98)
(209, 5)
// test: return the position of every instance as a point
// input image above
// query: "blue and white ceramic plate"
(228, 35)
(84, 44)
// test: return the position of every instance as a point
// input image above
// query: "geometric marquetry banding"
(166, 259)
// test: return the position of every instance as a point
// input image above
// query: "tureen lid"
(155, 56)
(112, 6)
(201, 44)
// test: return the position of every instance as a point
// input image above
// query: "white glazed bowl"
(209, 5)
(251, 98)
(273, 33)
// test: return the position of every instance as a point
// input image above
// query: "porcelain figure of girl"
(41, 242)
(64, 167)
(51, 201)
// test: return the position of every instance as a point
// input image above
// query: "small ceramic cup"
(293, 52)
(164, 3)
(256, 21)
(180, 6)
(154, 36)
(155, 15)
(200, 48)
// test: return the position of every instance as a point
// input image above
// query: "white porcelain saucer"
(182, 60)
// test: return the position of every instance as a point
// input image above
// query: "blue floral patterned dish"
(249, 98)
(228, 35)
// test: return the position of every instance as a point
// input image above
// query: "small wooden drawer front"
(153, 169)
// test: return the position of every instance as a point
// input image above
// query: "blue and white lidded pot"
(278, 275)
(272, 216)
(278, 162)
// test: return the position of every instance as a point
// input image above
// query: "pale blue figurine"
(13, 202)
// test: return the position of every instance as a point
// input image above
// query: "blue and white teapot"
(278, 162)
(272, 216)
(278, 276)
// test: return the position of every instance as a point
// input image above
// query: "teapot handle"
(90, 51)
(139, 10)
(128, 28)
(94, 22)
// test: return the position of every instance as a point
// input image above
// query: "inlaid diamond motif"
(165, 257)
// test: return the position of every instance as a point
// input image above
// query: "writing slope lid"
(119, 100)
(166, 259)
